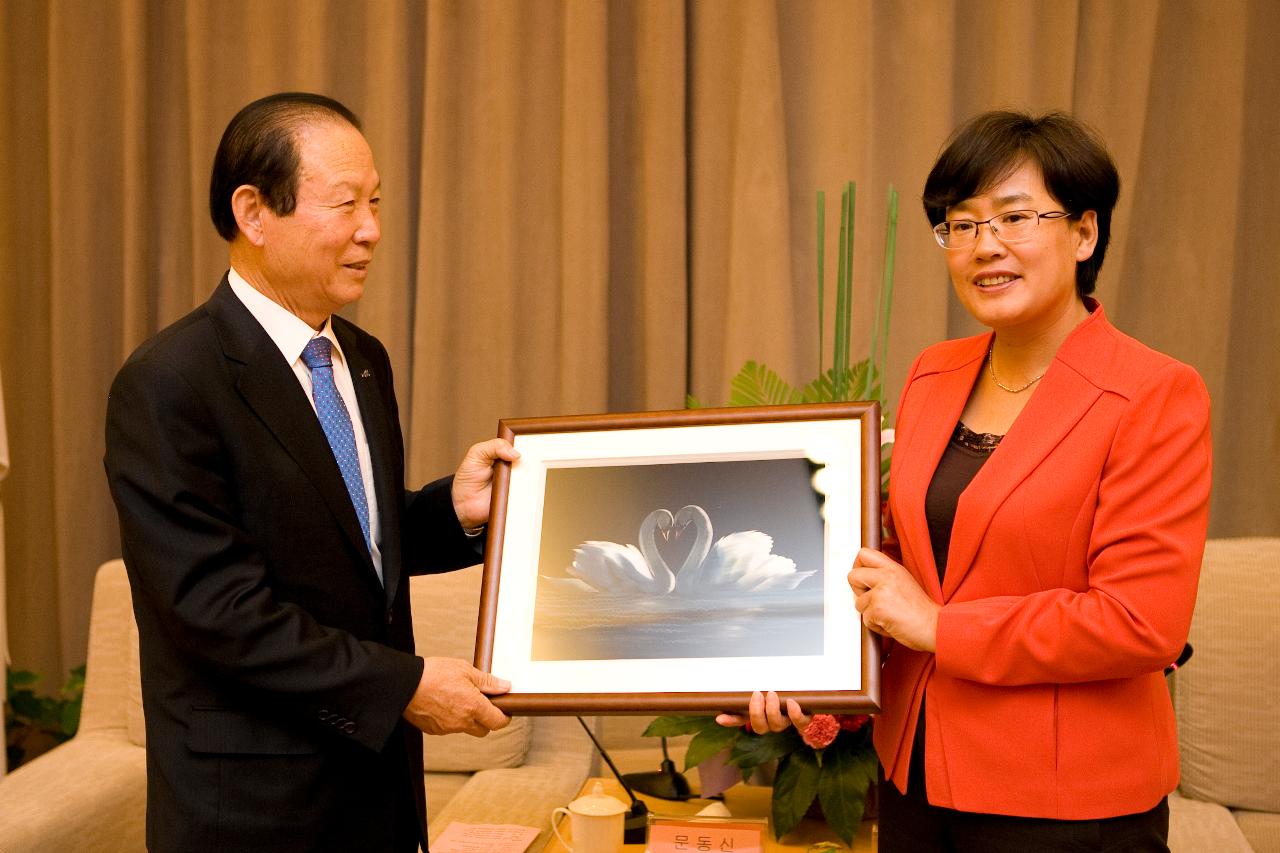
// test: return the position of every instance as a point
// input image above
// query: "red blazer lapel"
(1065, 395)
(938, 391)
(1061, 400)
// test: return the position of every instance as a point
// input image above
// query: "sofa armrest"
(88, 795)
(1260, 829)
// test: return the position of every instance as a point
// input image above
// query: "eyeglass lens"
(1012, 225)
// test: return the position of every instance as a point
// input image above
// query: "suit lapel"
(945, 394)
(1062, 399)
(269, 387)
(377, 430)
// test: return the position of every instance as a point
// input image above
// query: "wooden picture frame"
(584, 609)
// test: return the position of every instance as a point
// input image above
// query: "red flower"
(822, 730)
(852, 722)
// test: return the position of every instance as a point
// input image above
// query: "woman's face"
(1030, 285)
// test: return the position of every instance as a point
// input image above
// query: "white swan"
(610, 567)
(739, 562)
(742, 561)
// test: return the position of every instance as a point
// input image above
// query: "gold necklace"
(991, 368)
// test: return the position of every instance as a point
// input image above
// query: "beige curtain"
(604, 205)
(4, 626)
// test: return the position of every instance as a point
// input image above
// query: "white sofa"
(89, 794)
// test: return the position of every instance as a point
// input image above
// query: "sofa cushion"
(1262, 829)
(462, 753)
(446, 608)
(1225, 697)
(1197, 827)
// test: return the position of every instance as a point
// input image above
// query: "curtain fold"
(742, 299)
(91, 167)
(4, 471)
(648, 319)
(604, 205)
(4, 621)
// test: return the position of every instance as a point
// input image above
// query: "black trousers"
(909, 824)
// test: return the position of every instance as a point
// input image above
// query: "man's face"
(316, 258)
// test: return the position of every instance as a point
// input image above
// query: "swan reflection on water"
(724, 594)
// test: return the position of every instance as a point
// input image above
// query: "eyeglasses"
(1010, 227)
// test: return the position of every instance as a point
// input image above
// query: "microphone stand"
(636, 825)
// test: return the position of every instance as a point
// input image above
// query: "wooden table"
(742, 801)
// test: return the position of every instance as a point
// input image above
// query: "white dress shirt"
(292, 334)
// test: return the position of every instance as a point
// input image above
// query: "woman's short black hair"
(260, 148)
(1077, 170)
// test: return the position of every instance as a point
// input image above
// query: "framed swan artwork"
(672, 562)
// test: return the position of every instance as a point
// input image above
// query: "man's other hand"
(451, 697)
(473, 481)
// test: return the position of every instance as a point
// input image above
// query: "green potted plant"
(33, 723)
(832, 765)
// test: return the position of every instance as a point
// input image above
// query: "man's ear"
(248, 206)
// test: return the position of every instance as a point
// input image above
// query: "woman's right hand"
(892, 603)
(765, 714)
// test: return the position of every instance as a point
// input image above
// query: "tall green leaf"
(846, 318)
(884, 306)
(822, 243)
(844, 291)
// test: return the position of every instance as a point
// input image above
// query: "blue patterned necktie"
(336, 423)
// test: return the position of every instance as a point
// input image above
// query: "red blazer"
(1069, 587)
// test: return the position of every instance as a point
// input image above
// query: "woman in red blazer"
(1049, 494)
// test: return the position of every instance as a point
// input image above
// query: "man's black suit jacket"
(275, 666)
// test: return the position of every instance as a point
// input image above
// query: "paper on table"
(484, 838)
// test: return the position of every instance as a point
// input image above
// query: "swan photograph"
(671, 562)
(680, 560)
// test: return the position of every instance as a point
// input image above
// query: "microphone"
(636, 824)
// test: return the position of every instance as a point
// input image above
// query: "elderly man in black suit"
(255, 458)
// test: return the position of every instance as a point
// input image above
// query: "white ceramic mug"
(595, 821)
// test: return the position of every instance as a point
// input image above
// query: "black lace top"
(965, 455)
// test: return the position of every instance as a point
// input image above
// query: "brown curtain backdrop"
(604, 205)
